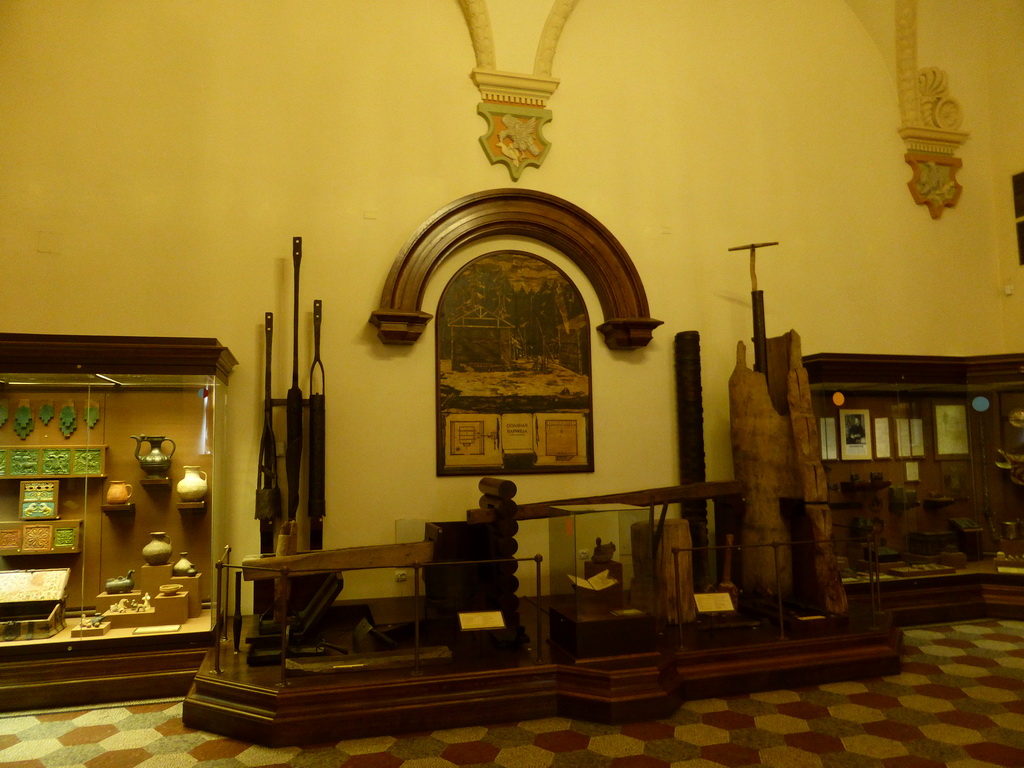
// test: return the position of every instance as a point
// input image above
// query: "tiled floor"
(959, 702)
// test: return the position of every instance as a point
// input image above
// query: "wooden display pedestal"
(592, 631)
(191, 589)
(165, 609)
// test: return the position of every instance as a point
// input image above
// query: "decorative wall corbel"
(514, 104)
(931, 120)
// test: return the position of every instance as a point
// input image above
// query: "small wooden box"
(32, 603)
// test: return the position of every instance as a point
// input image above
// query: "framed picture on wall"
(827, 433)
(909, 438)
(883, 447)
(855, 433)
(951, 430)
(513, 369)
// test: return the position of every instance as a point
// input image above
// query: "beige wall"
(156, 158)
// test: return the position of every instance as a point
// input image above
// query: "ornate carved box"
(32, 603)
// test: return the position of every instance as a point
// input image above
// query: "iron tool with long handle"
(293, 406)
(317, 502)
(268, 495)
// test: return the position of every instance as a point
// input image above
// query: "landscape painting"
(513, 369)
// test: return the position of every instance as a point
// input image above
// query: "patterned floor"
(958, 702)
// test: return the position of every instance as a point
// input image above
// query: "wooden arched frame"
(517, 213)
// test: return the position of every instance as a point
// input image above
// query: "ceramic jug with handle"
(118, 492)
(192, 487)
(155, 462)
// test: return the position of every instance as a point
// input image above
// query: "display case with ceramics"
(102, 440)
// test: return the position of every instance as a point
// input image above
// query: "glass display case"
(109, 462)
(925, 452)
(602, 579)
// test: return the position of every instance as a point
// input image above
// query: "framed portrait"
(513, 369)
(855, 434)
(951, 430)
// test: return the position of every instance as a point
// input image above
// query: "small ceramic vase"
(183, 567)
(158, 550)
(192, 487)
(118, 492)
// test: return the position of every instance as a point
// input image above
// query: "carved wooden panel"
(529, 214)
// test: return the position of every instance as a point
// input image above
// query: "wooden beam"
(641, 498)
(256, 567)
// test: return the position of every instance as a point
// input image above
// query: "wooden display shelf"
(41, 537)
(119, 509)
(864, 485)
(195, 507)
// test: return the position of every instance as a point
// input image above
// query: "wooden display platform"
(976, 592)
(487, 684)
(70, 669)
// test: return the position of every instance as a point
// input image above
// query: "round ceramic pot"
(158, 550)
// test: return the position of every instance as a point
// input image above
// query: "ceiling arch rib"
(529, 214)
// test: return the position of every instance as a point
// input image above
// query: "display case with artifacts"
(96, 432)
(927, 465)
(602, 591)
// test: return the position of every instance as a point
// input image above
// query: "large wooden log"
(827, 591)
(762, 449)
(777, 455)
(657, 587)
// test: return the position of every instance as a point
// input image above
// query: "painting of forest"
(513, 369)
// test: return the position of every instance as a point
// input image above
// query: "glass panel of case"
(602, 575)
(933, 467)
(106, 504)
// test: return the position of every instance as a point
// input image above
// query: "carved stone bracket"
(514, 104)
(931, 120)
(529, 214)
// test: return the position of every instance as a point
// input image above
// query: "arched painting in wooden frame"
(513, 369)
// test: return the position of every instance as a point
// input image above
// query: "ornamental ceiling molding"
(527, 214)
(931, 120)
(514, 104)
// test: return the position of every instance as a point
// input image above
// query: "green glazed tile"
(56, 461)
(88, 461)
(45, 413)
(68, 420)
(64, 537)
(24, 461)
(23, 422)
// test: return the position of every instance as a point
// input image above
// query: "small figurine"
(145, 602)
(603, 553)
